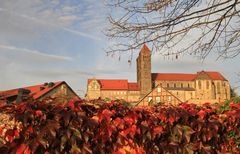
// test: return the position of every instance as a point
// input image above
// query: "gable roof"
(112, 84)
(154, 90)
(35, 91)
(216, 76)
(185, 77)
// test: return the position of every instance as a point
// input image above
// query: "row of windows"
(115, 92)
(175, 85)
(158, 99)
(208, 85)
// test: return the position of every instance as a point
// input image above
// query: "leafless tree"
(175, 27)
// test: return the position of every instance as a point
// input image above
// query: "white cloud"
(33, 52)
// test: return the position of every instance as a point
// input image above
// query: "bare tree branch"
(175, 27)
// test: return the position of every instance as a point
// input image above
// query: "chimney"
(50, 84)
(22, 95)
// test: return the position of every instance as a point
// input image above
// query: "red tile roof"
(36, 92)
(116, 84)
(185, 77)
(216, 76)
(173, 76)
(112, 84)
(133, 86)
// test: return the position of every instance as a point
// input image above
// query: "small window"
(188, 85)
(181, 85)
(159, 89)
(158, 99)
(149, 99)
(169, 98)
(167, 84)
(175, 85)
(64, 89)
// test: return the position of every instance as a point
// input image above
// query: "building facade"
(201, 87)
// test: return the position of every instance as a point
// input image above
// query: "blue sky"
(53, 40)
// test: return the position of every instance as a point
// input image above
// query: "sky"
(62, 40)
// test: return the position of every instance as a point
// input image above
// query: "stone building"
(113, 89)
(203, 86)
(58, 90)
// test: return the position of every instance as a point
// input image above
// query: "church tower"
(144, 78)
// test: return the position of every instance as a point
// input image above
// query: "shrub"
(111, 127)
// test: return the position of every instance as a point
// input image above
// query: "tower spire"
(144, 70)
(145, 49)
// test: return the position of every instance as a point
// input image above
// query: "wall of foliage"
(114, 127)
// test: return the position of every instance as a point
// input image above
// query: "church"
(153, 88)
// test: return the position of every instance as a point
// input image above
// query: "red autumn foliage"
(112, 127)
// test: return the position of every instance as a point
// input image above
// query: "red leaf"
(158, 130)
(236, 106)
(16, 133)
(162, 117)
(171, 120)
(27, 150)
(119, 123)
(29, 130)
(38, 113)
(0, 131)
(20, 149)
(201, 114)
(128, 120)
(208, 110)
(105, 115)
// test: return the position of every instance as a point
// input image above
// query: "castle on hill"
(171, 88)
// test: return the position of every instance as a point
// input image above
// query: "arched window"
(218, 88)
(207, 84)
(199, 85)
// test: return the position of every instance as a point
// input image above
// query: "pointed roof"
(216, 76)
(145, 49)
